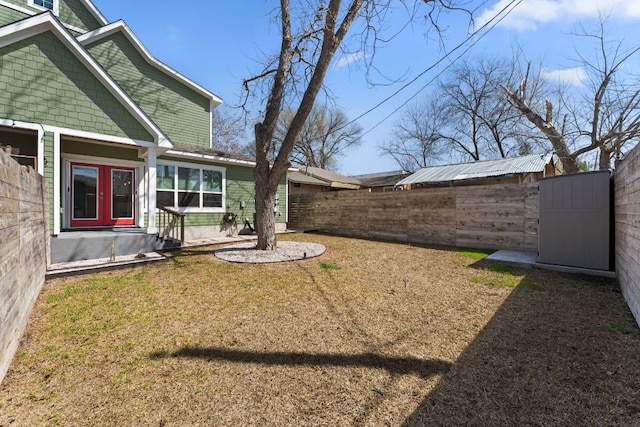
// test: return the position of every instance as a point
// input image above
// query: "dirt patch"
(368, 334)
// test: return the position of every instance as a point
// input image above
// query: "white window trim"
(223, 172)
(55, 9)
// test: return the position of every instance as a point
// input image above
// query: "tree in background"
(416, 141)
(228, 133)
(466, 117)
(325, 135)
(309, 42)
(604, 115)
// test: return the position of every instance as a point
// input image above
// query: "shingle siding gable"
(71, 12)
(8, 15)
(182, 113)
(42, 82)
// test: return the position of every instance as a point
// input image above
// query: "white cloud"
(574, 76)
(348, 59)
(529, 14)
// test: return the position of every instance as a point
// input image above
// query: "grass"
(368, 334)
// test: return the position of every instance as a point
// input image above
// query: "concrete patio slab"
(522, 259)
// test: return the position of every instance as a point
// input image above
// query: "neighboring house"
(114, 131)
(524, 169)
(309, 179)
(382, 181)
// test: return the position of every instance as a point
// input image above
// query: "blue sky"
(218, 44)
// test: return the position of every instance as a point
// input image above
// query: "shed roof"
(479, 170)
(323, 177)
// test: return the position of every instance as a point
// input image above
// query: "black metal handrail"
(170, 223)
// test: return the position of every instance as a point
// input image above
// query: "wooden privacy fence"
(487, 216)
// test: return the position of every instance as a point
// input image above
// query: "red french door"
(102, 195)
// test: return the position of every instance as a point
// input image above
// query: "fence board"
(489, 216)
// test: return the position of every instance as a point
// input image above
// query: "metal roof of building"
(327, 177)
(479, 170)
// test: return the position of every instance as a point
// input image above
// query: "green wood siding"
(74, 13)
(42, 82)
(182, 113)
(71, 12)
(99, 150)
(8, 15)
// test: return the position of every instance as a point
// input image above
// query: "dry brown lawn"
(369, 334)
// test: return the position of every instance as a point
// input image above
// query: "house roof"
(190, 151)
(46, 21)
(382, 179)
(318, 176)
(122, 27)
(479, 170)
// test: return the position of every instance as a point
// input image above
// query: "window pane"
(188, 200)
(212, 181)
(165, 198)
(188, 179)
(165, 177)
(211, 200)
(44, 3)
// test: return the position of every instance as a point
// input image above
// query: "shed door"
(575, 215)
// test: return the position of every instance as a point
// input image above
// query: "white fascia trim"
(95, 12)
(121, 26)
(38, 24)
(210, 158)
(98, 137)
(30, 126)
(56, 185)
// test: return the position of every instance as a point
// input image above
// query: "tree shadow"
(394, 365)
(561, 350)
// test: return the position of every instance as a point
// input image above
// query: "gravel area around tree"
(367, 334)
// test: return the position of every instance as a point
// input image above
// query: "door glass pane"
(85, 186)
(122, 190)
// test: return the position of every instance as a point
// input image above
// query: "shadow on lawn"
(395, 365)
(561, 350)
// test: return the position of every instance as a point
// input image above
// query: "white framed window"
(51, 5)
(189, 187)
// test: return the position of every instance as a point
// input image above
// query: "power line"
(497, 18)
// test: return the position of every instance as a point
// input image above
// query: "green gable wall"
(8, 15)
(70, 12)
(74, 13)
(42, 82)
(182, 113)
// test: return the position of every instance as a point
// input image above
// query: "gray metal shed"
(575, 220)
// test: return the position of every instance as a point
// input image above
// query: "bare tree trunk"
(264, 193)
(569, 162)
